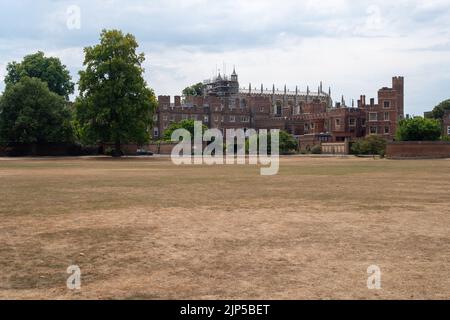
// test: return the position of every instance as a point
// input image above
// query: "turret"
(234, 76)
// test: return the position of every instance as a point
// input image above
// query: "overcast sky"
(353, 46)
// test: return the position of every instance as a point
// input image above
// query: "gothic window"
(278, 108)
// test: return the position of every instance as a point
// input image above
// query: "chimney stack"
(177, 101)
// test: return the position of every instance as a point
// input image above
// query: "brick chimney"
(177, 101)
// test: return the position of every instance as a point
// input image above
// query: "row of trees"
(114, 105)
(287, 142)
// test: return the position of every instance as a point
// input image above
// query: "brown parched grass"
(147, 229)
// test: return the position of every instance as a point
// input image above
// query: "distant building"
(308, 115)
(446, 124)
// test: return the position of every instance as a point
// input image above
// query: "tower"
(398, 84)
(234, 76)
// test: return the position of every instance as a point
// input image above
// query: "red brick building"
(446, 124)
(310, 116)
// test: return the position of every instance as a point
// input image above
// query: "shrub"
(317, 149)
(419, 129)
(370, 145)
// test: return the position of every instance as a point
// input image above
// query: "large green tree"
(194, 90)
(439, 110)
(115, 105)
(47, 69)
(187, 124)
(418, 129)
(31, 113)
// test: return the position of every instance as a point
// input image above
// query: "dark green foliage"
(47, 69)
(31, 113)
(288, 144)
(115, 105)
(194, 90)
(439, 110)
(419, 129)
(370, 145)
(184, 124)
(317, 149)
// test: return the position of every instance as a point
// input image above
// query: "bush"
(419, 129)
(371, 145)
(287, 143)
(317, 149)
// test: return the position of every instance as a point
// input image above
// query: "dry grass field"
(146, 229)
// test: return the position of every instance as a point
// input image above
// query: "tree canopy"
(370, 145)
(287, 143)
(47, 69)
(439, 110)
(187, 124)
(194, 90)
(31, 113)
(418, 129)
(115, 105)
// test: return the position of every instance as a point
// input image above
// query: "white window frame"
(388, 118)
(448, 130)
(350, 122)
(370, 116)
(232, 119)
(376, 130)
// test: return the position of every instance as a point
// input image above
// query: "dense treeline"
(114, 104)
